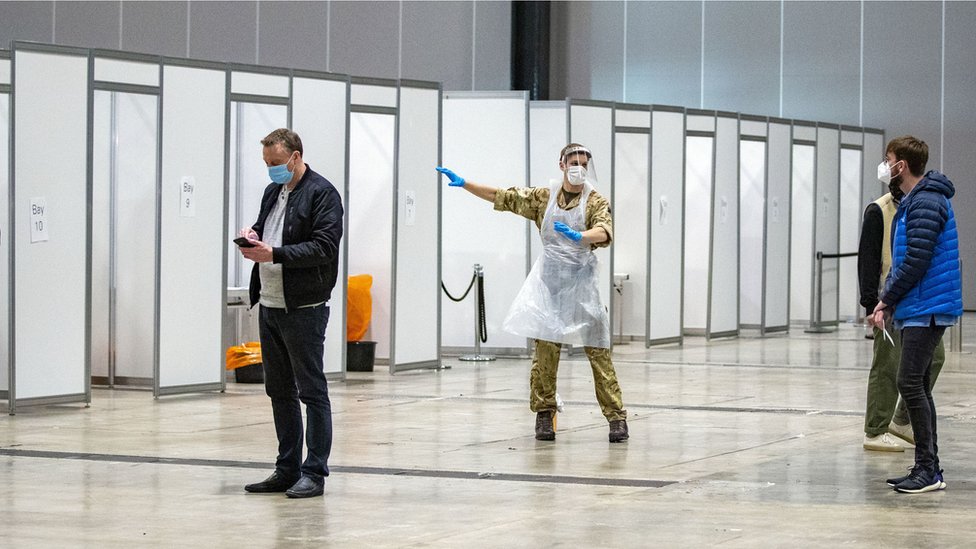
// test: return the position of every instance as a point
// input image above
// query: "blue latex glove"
(456, 180)
(563, 228)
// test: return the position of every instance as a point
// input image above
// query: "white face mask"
(884, 171)
(576, 175)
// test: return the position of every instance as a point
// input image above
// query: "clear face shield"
(578, 166)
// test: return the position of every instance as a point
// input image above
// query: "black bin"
(252, 373)
(360, 355)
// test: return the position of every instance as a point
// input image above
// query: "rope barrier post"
(479, 307)
(816, 322)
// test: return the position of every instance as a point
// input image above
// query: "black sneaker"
(618, 430)
(898, 480)
(543, 426)
(920, 481)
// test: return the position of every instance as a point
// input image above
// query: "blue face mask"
(280, 173)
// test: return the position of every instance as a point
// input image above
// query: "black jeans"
(292, 345)
(917, 346)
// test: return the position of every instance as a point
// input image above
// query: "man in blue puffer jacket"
(922, 295)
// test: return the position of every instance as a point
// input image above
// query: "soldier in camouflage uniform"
(559, 302)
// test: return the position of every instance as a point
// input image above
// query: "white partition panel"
(417, 258)
(873, 153)
(49, 226)
(591, 124)
(259, 83)
(5, 70)
(778, 181)
(699, 178)
(127, 71)
(494, 155)
(548, 134)
(803, 207)
(827, 221)
(752, 223)
(631, 216)
(101, 205)
(370, 213)
(193, 230)
(850, 231)
(665, 284)
(4, 217)
(723, 299)
(320, 113)
(124, 181)
(249, 124)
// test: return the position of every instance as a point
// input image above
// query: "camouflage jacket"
(531, 202)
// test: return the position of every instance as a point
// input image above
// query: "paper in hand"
(887, 336)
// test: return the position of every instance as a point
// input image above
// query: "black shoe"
(918, 482)
(898, 480)
(543, 426)
(275, 483)
(306, 488)
(618, 430)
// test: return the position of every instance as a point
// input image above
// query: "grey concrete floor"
(747, 442)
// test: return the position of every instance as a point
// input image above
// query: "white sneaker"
(882, 443)
(903, 432)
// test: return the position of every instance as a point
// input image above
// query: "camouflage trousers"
(542, 380)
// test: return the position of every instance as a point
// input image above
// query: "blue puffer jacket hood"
(935, 181)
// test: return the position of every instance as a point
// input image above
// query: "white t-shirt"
(272, 289)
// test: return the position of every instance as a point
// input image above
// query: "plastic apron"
(560, 299)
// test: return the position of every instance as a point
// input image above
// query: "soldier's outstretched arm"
(481, 191)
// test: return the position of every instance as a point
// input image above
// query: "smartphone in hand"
(243, 242)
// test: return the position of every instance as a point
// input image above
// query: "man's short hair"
(286, 138)
(912, 150)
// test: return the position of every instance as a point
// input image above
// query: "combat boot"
(618, 430)
(543, 426)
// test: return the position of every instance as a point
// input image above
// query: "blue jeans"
(917, 347)
(292, 345)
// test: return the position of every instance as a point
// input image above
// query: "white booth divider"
(495, 154)
(548, 134)
(50, 230)
(314, 105)
(699, 181)
(874, 150)
(764, 190)
(192, 227)
(851, 181)
(803, 208)
(711, 291)
(753, 172)
(827, 225)
(723, 286)
(125, 182)
(385, 223)
(259, 102)
(372, 179)
(4, 217)
(779, 146)
(631, 216)
(416, 336)
(665, 280)
(320, 115)
(591, 123)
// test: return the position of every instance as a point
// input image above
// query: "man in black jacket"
(295, 249)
